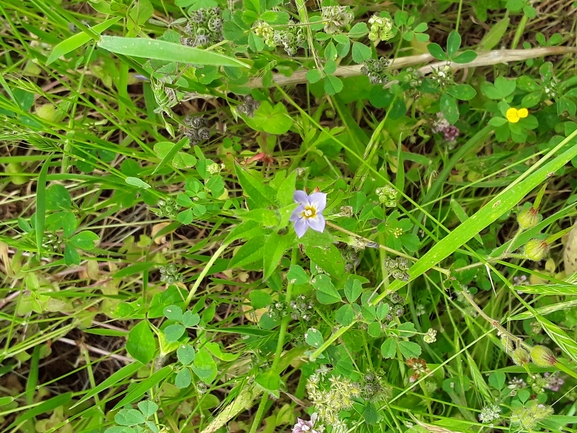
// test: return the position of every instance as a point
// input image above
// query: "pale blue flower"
(309, 212)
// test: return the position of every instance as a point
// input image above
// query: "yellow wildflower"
(513, 115)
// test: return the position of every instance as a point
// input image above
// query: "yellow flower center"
(309, 212)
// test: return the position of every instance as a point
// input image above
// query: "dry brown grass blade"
(483, 59)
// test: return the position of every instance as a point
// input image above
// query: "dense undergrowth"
(260, 216)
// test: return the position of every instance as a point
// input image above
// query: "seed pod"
(536, 249)
(528, 218)
(543, 356)
(520, 356)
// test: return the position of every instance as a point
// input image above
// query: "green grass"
(152, 278)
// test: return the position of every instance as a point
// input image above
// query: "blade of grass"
(41, 205)
(167, 51)
(76, 41)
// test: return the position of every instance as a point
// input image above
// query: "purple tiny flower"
(303, 426)
(309, 212)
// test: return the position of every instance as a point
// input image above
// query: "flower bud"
(543, 356)
(528, 218)
(536, 249)
(520, 356)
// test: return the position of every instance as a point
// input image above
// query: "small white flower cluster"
(430, 336)
(490, 413)
(331, 396)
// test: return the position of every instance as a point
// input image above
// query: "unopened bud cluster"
(265, 31)
(336, 18)
(376, 70)
(290, 38)
(302, 308)
(169, 274)
(204, 28)
(442, 125)
(248, 107)
(398, 268)
(387, 195)
(198, 129)
(380, 28)
(167, 209)
(374, 388)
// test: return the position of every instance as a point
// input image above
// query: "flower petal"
(318, 200)
(512, 115)
(297, 213)
(522, 113)
(301, 227)
(301, 197)
(317, 223)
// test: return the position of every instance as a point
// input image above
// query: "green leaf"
(167, 51)
(71, 256)
(464, 92)
(183, 378)
(173, 312)
(328, 258)
(465, 57)
(134, 181)
(174, 332)
(244, 230)
(250, 252)
(410, 349)
(284, 193)
(437, 52)
(497, 121)
(313, 76)
(314, 338)
(361, 53)
(262, 195)
(57, 198)
(259, 299)
(358, 30)
(185, 354)
(497, 380)
(274, 120)
(270, 381)
(333, 85)
(85, 240)
(449, 108)
(204, 366)
(345, 315)
(549, 289)
(77, 40)
(453, 43)
(494, 36)
(297, 275)
(141, 344)
(274, 248)
(388, 348)
(326, 292)
(190, 319)
(353, 288)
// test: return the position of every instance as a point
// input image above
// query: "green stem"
(209, 264)
(519, 32)
(279, 348)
